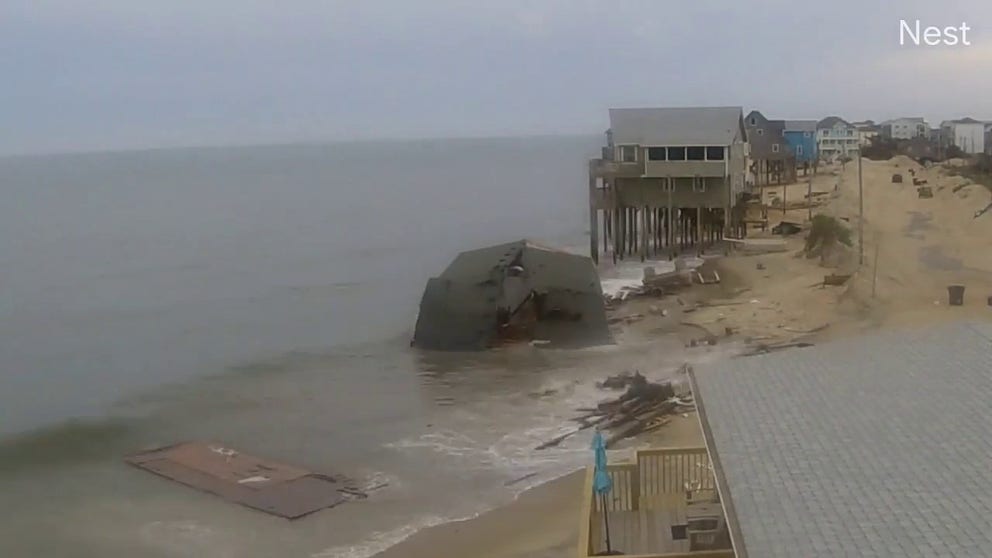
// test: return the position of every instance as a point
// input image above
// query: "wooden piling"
(699, 227)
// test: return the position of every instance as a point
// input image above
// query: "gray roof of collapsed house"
(459, 308)
(557, 268)
(675, 126)
(876, 446)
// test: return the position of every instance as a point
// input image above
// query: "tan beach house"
(668, 179)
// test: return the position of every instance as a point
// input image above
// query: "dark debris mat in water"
(276, 488)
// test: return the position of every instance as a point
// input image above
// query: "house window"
(714, 153)
(695, 153)
(805, 134)
(754, 121)
(657, 154)
(761, 131)
(774, 148)
(799, 150)
(698, 184)
(676, 154)
(628, 153)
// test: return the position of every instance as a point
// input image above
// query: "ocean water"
(264, 297)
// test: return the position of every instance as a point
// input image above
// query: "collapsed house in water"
(516, 291)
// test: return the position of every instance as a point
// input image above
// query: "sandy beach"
(914, 248)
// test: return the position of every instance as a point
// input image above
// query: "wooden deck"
(647, 500)
(648, 530)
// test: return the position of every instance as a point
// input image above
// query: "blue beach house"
(800, 135)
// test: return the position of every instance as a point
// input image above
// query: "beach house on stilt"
(668, 180)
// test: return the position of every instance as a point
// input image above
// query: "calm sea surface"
(264, 297)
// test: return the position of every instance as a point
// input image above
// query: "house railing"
(655, 472)
(622, 169)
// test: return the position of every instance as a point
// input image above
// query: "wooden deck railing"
(655, 472)
(613, 169)
(668, 470)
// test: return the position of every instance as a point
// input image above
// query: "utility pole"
(809, 198)
(861, 213)
(874, 269)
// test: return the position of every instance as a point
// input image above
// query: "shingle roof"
(800, 125)
(878, 446)
(676, 126)
(830, 122)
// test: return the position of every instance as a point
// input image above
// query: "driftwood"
(519, 479)
(636, 426)
(983, 211)
(814, 330)
(643, 406)
(719, 304)
(761, 348)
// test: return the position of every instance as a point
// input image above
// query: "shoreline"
(530, 526)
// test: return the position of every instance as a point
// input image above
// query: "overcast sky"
(122, 74)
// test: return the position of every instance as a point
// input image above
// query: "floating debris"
(275, 488)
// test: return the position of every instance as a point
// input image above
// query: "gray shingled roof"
(830, 122)
(878, 446)
(676, 126)
(800, 125)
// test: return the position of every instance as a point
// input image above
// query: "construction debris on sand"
(644, 406)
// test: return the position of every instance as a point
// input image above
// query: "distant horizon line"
(291, 143)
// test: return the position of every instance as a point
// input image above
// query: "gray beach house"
(669, 179)
(773, 161)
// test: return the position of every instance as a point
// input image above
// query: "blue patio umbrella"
(601, 482)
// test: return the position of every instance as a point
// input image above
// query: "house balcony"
(603, 168)
(663, 505)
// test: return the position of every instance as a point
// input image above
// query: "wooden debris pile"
(643, 407)
(666, 283)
